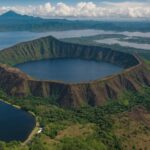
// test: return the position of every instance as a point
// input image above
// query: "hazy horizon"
(87, 9)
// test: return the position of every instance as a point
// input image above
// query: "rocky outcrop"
(94, 93)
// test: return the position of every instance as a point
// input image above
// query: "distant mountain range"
(12, 21)
(14, 15)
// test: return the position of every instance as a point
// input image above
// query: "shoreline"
(32, 134)
(34, 130)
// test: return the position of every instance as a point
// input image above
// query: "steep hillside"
(94, 93)
(50, 47)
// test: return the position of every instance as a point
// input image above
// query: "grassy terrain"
(117, 125)
(91, 40)
(123, 124)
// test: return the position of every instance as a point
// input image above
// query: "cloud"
(85, 9)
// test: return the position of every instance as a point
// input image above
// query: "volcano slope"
(16, 83)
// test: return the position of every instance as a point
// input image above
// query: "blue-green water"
(69, 70)
(15, 124)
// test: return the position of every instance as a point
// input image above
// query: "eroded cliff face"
(94, 93)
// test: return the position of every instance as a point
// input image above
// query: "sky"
(79, 8)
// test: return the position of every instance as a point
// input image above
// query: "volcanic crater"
(17, 83)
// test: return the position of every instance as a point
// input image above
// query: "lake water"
(8, 39)
(69, 70)
(112, 41)
(15, 124)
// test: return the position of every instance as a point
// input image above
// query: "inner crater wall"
(95, 93)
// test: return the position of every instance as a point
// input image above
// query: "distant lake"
(15, 124)
(8, 39)
(112, 41)
(69, 70)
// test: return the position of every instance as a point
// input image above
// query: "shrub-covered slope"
(93, 93)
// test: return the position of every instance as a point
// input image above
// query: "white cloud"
(85, 9)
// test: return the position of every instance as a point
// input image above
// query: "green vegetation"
(58, 122)
(49, 47)
(90, 40)
(117, 125)
(11, 21)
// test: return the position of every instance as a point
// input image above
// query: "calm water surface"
(8, 39)
(69, 70)
(112, 41)
(15, 124)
